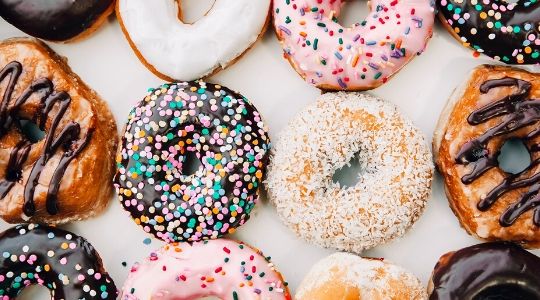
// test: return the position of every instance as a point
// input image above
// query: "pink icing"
(221, 268)
(357, 58)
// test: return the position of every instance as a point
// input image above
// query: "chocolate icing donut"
(502, 30)
(57, 259)
(57, 20)
(490, 271)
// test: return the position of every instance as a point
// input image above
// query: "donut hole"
(34, 292)
(349, 174)
(191, 11)
(191, 164)
(507, 291)
(30, 130)
(353, 12)
(514, 156)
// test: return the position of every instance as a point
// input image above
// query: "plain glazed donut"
(58, 20)
(349, 277)
(65, 174)
(498, 270)
(221, 268)
(224, 131)
(494, 104)
(362, 57)
(504, 30)
(173, 50)
(393, 186)
(59, 260)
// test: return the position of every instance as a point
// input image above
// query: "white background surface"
(107, 63)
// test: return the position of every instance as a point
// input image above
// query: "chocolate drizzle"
(67, 138)
(518, 112)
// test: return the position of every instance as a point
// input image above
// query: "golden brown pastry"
(57, 138)
(495, 104)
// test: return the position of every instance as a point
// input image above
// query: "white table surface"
(106, 62)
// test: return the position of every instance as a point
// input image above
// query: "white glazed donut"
(392, 189)
(174, 50)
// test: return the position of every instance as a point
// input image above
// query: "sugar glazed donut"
(393, 186)
(174, 50)
(225, 132)
(59, 260)
(361, 57)
(498, 270)
(58, 20)
(350, 277)
(220, 268)
(66, 173)
(504, 30)
(494, 105)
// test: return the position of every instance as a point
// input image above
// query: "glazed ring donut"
(65, 174)
(350, 277)
(174, 50)
(222, 268)
(494, 105)
(58, 20)
(498, 270)
(361, 57)
(392, 190)
(66, 264)
(226, 133)
(504, 30)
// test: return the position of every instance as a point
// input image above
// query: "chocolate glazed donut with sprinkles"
(505, 31)
(57, 259)
(226, 134)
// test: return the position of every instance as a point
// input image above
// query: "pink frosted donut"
(361, 57)
(221, 268)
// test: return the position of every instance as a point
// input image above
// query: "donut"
(57, 139)
(360, 57)
(226, 134)
(504, 30)
(58, 20)
(175, 50)
(392, 188)
(221, 268)
(496, 270)
(63, 262)
(349, 277)
(495, 104)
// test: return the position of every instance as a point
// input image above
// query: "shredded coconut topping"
(393, 186)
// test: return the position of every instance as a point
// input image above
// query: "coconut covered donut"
(174, 50)
(393, 186)
(349, 277)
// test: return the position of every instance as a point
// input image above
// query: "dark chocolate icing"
(59, 260)
(67, 138)
(490, 271)
(517, 111)
(54, 20)
(503, 44)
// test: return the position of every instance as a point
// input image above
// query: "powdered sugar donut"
(361, 57)
(174, 50)
(347, 276)
(222, 268)
(392, 189)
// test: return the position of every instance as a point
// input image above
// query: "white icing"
(191, 51)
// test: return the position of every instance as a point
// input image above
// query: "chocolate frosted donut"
(502, 30)
(225, 133)
(59, 260)
(499, 270)
(58, 20)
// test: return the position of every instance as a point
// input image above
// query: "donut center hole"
(514, 156)
(191, 11)
(506, 291)
(30, 130)
(191, 164)
(353, 12)
(349, 174)
(34, 292)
